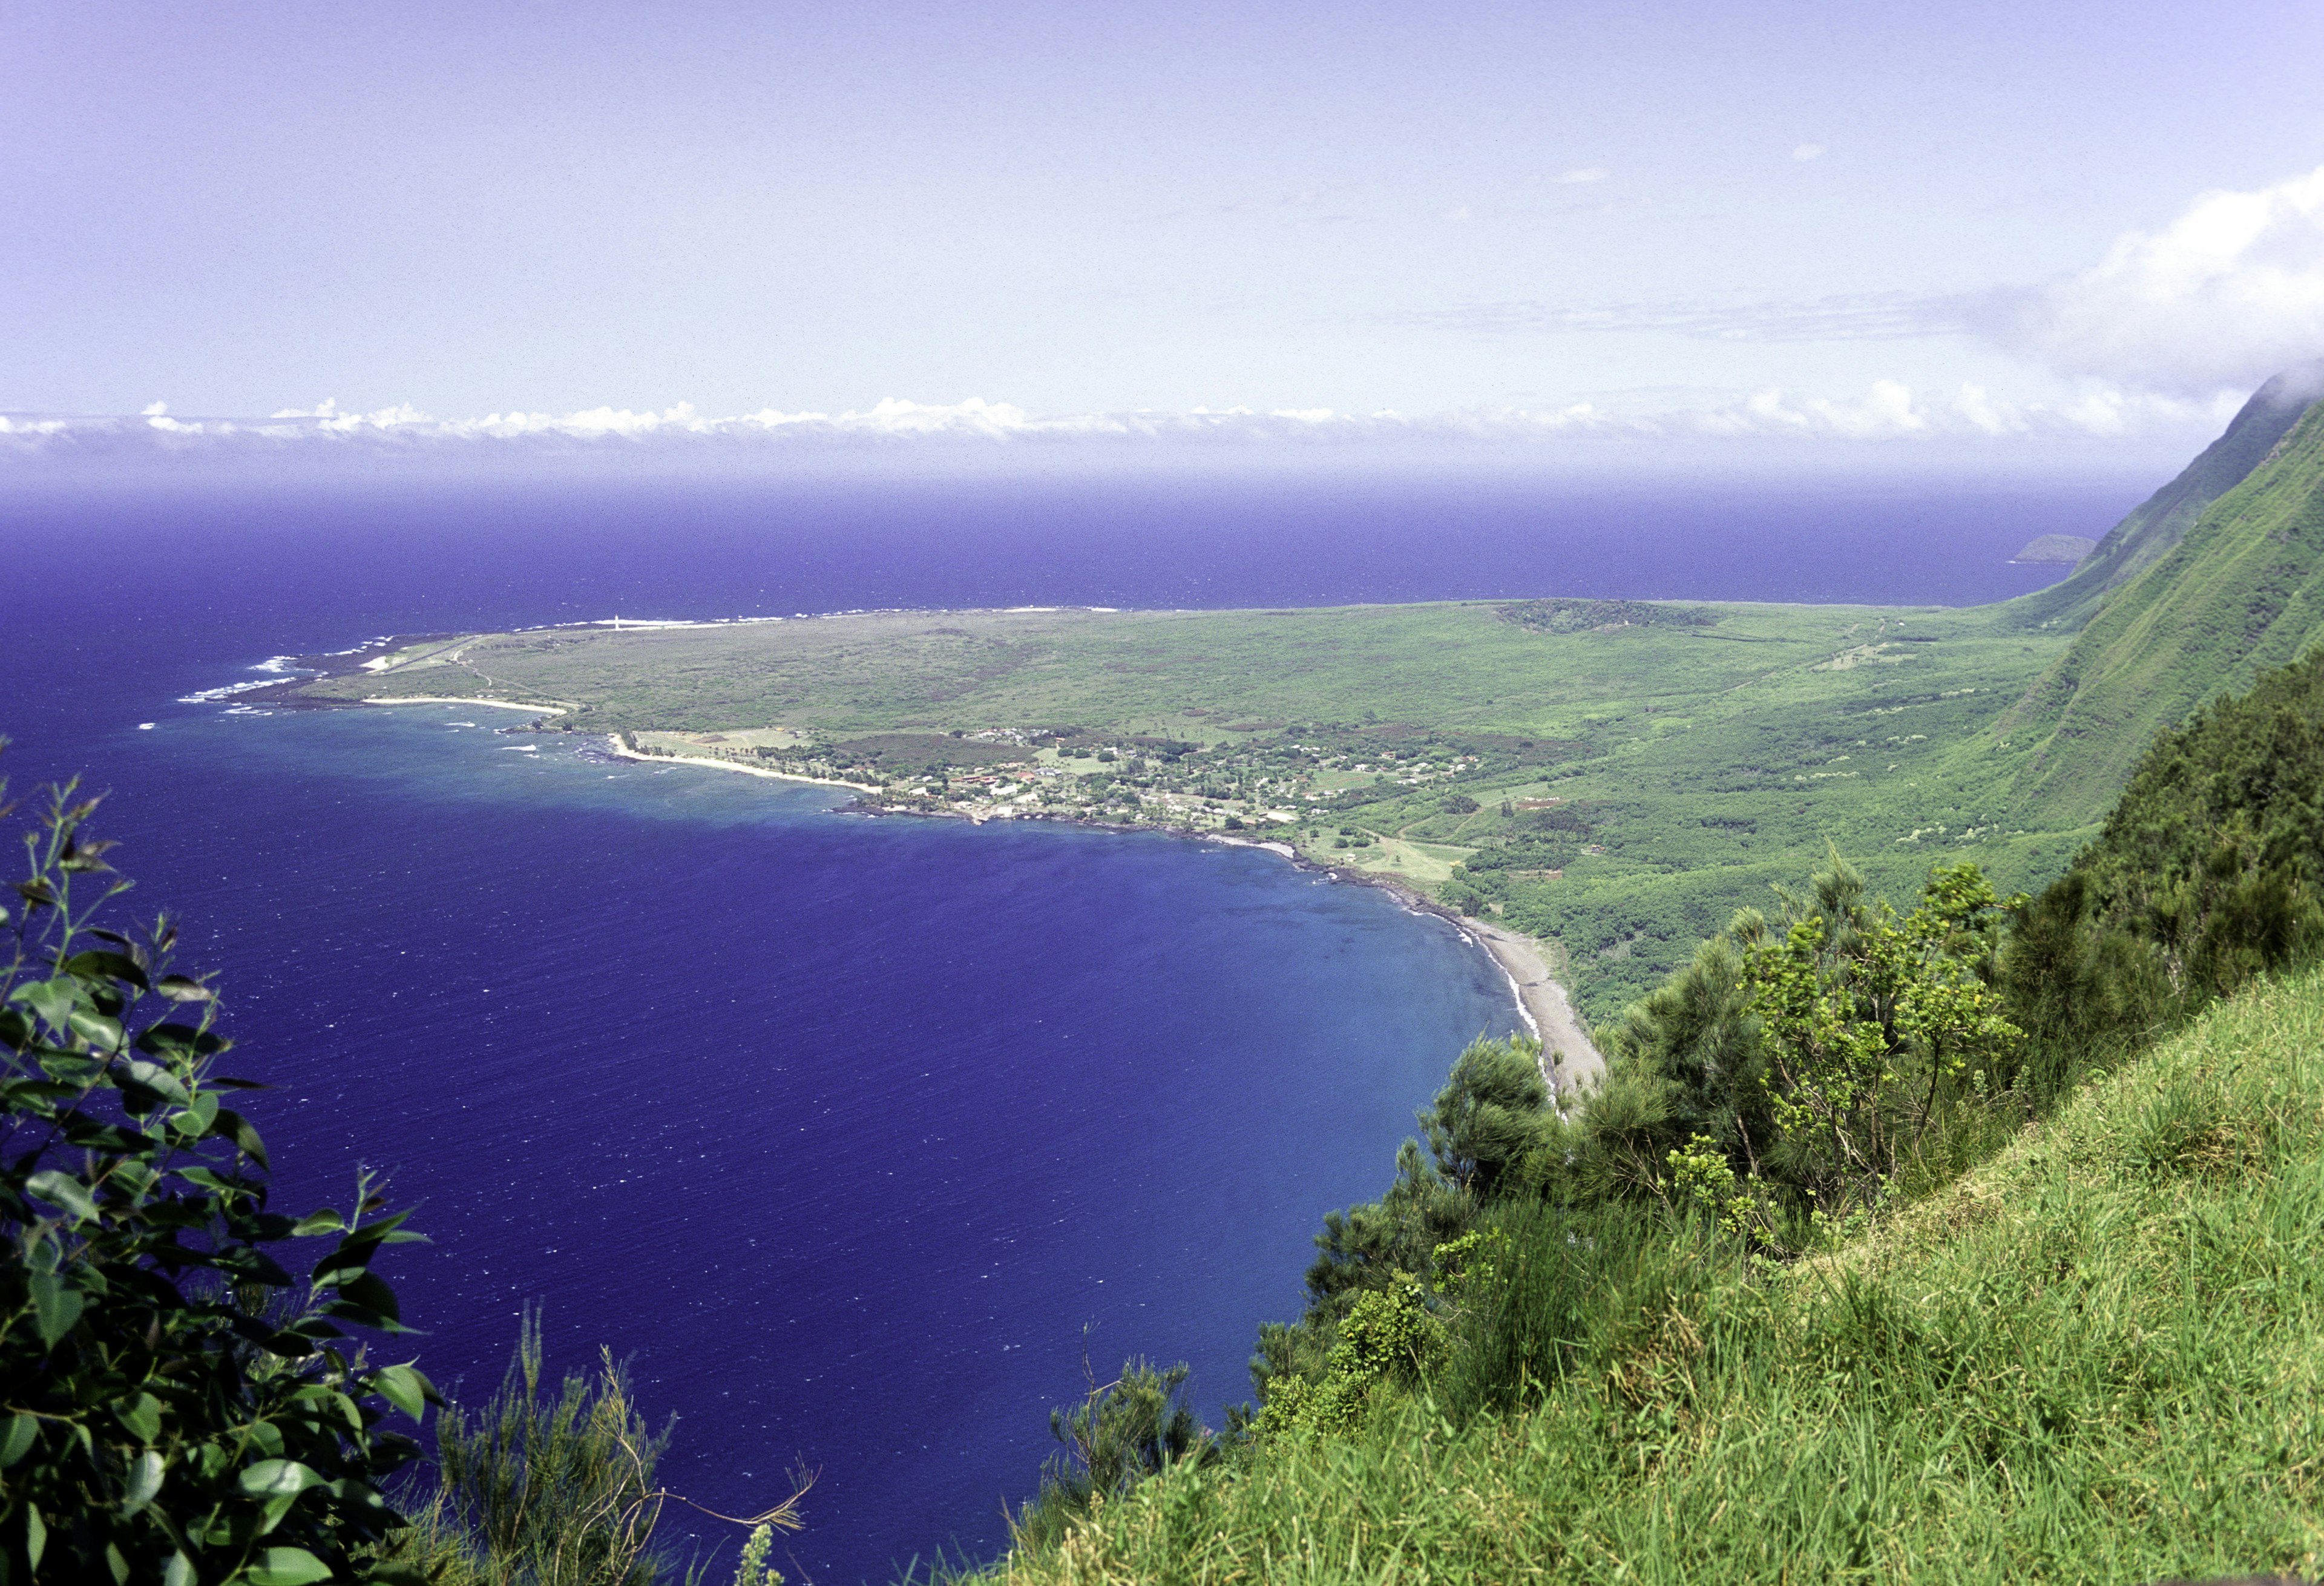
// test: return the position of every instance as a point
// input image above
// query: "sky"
(2041, 228)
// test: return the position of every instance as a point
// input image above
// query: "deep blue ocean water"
(857, 1135)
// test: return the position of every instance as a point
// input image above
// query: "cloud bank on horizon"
(1887, 411)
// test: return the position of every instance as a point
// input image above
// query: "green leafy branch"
(177, 1406)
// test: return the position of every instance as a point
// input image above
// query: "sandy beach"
(614, 744)
(1570, 1058)
(1578, 1064)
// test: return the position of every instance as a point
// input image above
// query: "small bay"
(857, 1133)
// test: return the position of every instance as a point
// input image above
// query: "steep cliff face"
(2159, 523)
(2241, 591)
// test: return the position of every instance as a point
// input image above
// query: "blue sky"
(2045, 225)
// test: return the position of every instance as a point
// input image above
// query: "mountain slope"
(2156, 526)
(2242, 592)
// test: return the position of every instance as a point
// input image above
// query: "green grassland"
(1667, 768)
(2096, 1359)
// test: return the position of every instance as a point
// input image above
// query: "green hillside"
(2099, 1359)
(2243, 591)
(2156, 526)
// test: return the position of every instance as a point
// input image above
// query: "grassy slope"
(2099, 1359)
(1709, 760)
(2156, 526)
(2242, 592)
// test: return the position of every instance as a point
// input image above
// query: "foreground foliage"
(554, 1489)
(542, 1488)
(177, 1405)
(1122, 1432)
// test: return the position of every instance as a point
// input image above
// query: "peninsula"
(1610, 779)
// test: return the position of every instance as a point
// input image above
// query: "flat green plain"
(1635, 780)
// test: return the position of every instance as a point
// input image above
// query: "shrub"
(1865, 1018)
(1121, 1433)
(179, 1406)
(1492, 1114)
(1389, 1335)
(551, 1490)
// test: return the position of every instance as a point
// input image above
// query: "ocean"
(861, 1138)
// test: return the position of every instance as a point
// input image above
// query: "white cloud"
(401, 414)
(1807, 152)
(1887, 411)
(1891, 411)
(154, 410)
(1587, 173)
(2227, 294)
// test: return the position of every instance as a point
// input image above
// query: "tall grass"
(2098, 1358)
(541, 1490)
(1567, 1296)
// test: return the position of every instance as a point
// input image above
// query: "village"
(1241, 784)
